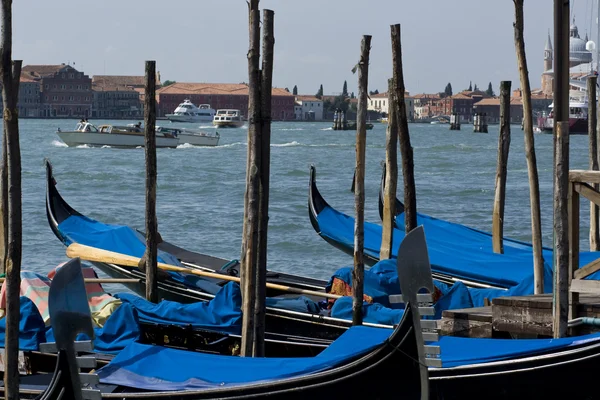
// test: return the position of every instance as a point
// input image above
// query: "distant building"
(29, 105)
(116, 102)
(578, 56)
(308, 108)
(118, 96)
(220, 96)
(379, 102)
(491, 108)
(64, 91)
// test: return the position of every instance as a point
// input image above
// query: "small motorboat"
(129, 136)
(190, 136)
(228, 119)
(188, 112)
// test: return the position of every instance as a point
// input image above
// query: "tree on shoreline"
(319, 94)
(448, 89)
(490, 90)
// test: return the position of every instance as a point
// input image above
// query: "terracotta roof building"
(491, 108)
(64, 91)
(220, 96)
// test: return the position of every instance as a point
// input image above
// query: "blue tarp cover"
(117, 238)
(158, 368)
(457, 351)
(223, 313)
(31, 326)
(454, 249)
(382, 280)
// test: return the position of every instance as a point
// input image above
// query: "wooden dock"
(515, 317)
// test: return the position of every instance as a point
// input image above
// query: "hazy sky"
(316, 41)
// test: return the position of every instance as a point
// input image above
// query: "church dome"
(578, 54)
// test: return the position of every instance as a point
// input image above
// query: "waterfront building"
(29, 104)
(64, 91)
(308, 108)
(220, 96)
(119, 96)
(491, 108)
(379, 102)
(116, 102)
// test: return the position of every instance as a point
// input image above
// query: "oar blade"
(414, 269)
(68, 305)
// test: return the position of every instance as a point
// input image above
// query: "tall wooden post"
(592, 134)
(359, 187)
(561, 167)
(408, 168)
(503, 149)
(265, 171)
(534, 184)
(149, 259)
(249, 253)
(4, 206)
(561, 231)
(10, 72)
(391, 176)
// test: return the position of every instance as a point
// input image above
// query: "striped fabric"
(36, 287)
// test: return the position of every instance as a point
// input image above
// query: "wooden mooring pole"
(264, 176)
(359, 185)
(501, 168)
(10, 72)
(408, 168)
(592, 134)
(391, 176)
(561, 168)
(527, 126)
(251, 210)
(149, 260)
(561, 229)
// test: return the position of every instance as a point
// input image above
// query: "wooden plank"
(573, 218)
(537, 301)
(587, 269)
(522, 320)
(584, 176)
(588, 192)
(585, 286)
(501, 169)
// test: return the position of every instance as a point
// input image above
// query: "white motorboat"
(129, 136)
(228, 119)
(189, 136)
(188, 112)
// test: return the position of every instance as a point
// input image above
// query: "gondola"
(387, 362)
(457, 253)
(287, 326)
(451, 244)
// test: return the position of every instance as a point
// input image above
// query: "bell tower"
(548, 75)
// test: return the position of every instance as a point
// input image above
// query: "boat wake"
(327, 129)
(58, 143)
(291, 129)
(291, 144)
(83, 146)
